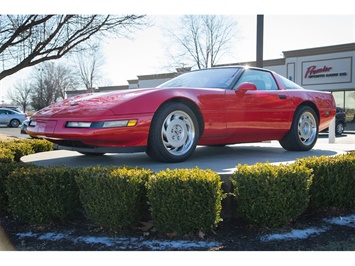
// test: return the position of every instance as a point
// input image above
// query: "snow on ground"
(137, 243)
(348, 221)
(141, 243)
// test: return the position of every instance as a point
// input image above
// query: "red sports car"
(217, 106)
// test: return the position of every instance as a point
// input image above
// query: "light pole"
(259, 40)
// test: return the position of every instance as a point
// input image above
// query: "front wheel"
(174, 133)
(304, 131)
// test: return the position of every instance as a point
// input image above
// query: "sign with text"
(327, 71)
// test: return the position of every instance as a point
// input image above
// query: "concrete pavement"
(222, 160)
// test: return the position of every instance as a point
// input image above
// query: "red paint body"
(228, 116)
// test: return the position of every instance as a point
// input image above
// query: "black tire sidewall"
(299, 113)
(156, 148)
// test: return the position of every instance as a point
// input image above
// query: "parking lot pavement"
(222, 160)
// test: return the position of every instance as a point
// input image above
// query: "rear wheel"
(304, 131)
(174, 133)
(339, 128)
(14, 123)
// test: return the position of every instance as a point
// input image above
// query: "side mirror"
(246, 86)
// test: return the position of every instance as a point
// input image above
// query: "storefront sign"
(327, 71)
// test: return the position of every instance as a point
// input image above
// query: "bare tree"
(20, 94)
(201, 40)
(89, 66)
(50, 83)
(27, 40)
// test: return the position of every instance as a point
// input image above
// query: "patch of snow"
(294, 234)
(347, 221)
(124, 243)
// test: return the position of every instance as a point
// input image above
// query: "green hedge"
(113, 197)
(5, 171)
(185, 200)
(18, 148)
(13, 150)
(333, 182)
(271, 195)
(6, 155)
(40, 195)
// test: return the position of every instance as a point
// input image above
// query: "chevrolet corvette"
(213, 107)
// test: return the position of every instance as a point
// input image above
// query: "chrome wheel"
(303, 133)
(173, 134)
(178, 133)
(307, 128)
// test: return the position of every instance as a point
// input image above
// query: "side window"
(263, 80)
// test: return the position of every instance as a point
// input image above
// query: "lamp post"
(259, 40)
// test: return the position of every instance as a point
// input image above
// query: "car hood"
(92, 104)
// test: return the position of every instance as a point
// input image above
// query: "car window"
(263, 80)
(208, 78)
(289, 84)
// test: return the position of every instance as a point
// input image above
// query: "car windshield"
(208, 78)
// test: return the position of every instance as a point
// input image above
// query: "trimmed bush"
(5, 171)
(18, 147)
(333, 181)
(6, 155)
(113, 197)
(185, 200)
(271, 195)
(40, 145)
(41, 195)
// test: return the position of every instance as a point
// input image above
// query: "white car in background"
(11, 118)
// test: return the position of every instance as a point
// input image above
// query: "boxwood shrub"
(6, 155)
(271, 195)
(42, 195)
(333, 181)
(5, 171)
(185, 200)
(40, 145)
(113, 197)
(19, 148)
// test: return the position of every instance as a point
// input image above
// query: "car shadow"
(222, 160)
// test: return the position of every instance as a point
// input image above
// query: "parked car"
(340, 121)
(12, 108)
(11, 118)
(24, 126)
(216, 106)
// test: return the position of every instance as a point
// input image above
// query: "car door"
(3, 117)
(261, 114)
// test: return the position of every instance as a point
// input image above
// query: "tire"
(173, 134)
(304, 131)
(14, 123)
(339, 128)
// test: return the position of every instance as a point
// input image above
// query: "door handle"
(282, 96)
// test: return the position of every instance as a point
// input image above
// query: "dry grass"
(6, 138)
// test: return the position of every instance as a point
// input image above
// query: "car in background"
(11, 118)
(215, 106)
(24, 125)
(12, 108)
(340, 121)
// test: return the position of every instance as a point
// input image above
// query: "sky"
(287, 26)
